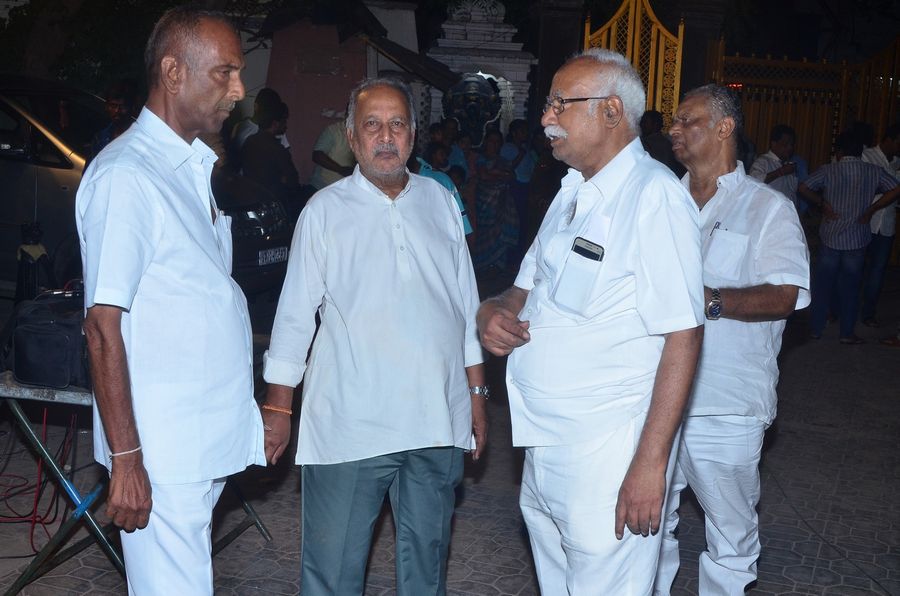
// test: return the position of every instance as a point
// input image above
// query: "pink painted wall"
(313, 73)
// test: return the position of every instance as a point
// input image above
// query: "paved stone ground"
(829, 511)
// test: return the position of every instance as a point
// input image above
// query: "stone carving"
(474, 102)
(489, 11)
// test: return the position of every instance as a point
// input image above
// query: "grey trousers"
(341, 503)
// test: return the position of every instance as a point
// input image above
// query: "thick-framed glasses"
(558, 104)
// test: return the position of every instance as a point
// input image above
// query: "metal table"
(12, 392)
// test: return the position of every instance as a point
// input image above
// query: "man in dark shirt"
(264, 158)
(656, 143)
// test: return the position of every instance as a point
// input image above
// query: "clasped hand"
(500, 330)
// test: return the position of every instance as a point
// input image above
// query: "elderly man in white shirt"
(394, 387)
(603, 327)
(755, 273)
(167, 327)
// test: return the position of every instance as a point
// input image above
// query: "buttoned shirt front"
(392, 281)
(150, 247)
(884, 220)
(849, 186)
(614, 267)
(769, 162)
(751, 236)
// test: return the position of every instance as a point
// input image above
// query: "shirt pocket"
(573, 291)
(726, 254)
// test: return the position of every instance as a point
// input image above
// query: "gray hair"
(621, 79)
(722, 102)
(391, 82)
(176, 32)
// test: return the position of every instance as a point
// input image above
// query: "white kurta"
(393, 283)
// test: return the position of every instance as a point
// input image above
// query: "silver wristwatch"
(482, 390)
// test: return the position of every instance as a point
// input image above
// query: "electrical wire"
(17, 485)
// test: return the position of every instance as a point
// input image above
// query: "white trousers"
(568, 501)
(719, 459)
(172, 555)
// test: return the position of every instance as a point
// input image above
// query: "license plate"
(272, 255)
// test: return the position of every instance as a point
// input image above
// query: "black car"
(46, 132)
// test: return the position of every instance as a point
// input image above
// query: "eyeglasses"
(558, 104)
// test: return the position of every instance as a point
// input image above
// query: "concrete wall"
(314, 74)
(256, 68)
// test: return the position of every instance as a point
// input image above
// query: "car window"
(20, 140)
(12, 133)
(74, 117)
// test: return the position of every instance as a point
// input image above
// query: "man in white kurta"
(755, 273)
(394, 385)
(167, 327)
(602, 328)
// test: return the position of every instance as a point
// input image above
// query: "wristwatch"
(713, 308)
(482, 390)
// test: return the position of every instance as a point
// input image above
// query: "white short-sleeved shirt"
(150, 247)
(751, 236)
(769, 162)
(392, 281)
(333, 143)
(884, 220)
(597, 325)
(246, 128)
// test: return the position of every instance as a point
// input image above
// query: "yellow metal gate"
(636, 33)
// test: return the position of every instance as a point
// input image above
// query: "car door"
(38, 182)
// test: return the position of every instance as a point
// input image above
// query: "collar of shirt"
(770, 155)
(611, 176)
(605, 183)
(360, 180)
(850, 158)
(424, 166)
(724, 183)
(176, 150)
(876, 156)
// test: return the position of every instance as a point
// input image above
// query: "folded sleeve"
(669, 275)
(782, 256)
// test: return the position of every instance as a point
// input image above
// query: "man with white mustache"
(167, 328)
(603, 329)
(394, 388)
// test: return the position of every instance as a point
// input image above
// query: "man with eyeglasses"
(603, 329)
(394, 390)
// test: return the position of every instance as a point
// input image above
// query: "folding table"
(12, 392)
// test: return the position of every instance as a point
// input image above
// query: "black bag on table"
(44, 344)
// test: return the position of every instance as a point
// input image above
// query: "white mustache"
(386, 148)
(555, 131)
(226, 105)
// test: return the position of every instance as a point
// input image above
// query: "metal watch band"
(482, 390)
